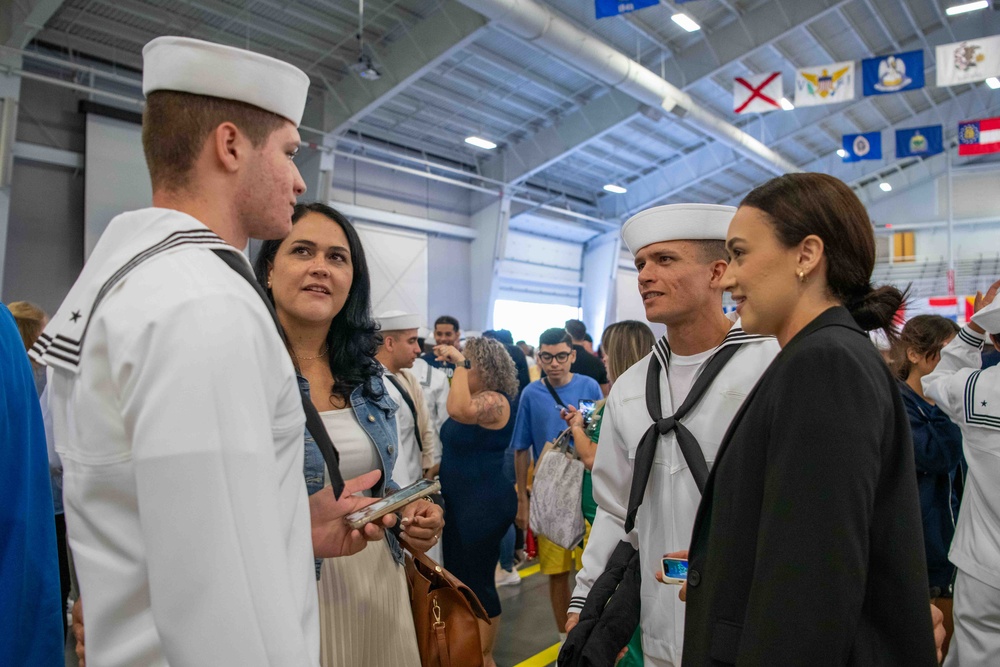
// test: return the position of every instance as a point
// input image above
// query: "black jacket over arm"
(807, 548)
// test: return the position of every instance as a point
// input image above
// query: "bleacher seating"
(928, 277)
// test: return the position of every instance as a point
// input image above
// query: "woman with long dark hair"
(807, 546)
(317, 278)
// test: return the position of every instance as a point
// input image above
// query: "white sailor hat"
(397, 320)
(989, 318)
(193, 66)
(677, 222)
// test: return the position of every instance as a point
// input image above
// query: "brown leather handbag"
(445, 613)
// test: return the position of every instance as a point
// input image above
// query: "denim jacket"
(378, 419)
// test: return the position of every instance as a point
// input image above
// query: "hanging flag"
(976, 137)
(945, 306)
(919, 141)
(828, 84)
(605, 8)
(863, 146)
(893, 73)
(758, 93)
(969, 61)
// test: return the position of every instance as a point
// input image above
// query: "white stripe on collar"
(736, 335)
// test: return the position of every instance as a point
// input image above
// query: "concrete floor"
(527, 626)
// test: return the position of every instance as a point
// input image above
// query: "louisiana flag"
(976, 137)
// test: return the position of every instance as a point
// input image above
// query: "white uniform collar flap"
(130, 239)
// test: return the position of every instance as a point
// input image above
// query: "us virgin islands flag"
(863, 146)
(919, 141)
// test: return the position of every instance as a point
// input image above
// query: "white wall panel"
(629, 303)
(397, 263)
(115, 176)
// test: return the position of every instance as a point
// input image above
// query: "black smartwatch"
(465, 364)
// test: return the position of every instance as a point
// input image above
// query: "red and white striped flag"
(759, 93)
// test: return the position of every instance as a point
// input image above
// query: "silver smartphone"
(392, 502)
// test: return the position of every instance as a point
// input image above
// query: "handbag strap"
(693, 454)
(409, 403)
(552, 391)
(442, 642)
(314, 423)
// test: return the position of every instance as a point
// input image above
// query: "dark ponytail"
(800, 205)
(877, 309)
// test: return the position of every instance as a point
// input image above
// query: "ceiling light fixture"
(686, 22)
(785, 104)
(885, 187)
(993, 82)
(480, 143)
(841, 152)
(967, 7)
(615, 189)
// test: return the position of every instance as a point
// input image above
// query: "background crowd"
(831, 506)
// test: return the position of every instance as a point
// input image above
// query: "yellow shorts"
(553, 559)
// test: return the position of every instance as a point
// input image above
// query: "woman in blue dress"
(479, 498)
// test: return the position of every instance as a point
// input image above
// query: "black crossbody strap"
(314, 423)
(693, 454)
(409, 403)
(552, 391)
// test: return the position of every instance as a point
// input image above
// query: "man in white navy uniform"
(418, 442)
(680, 254)
(174, 402)
(970, 396)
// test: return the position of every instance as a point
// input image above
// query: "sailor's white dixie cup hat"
(398, 320)
(677, 222)
(194, 66)
(989, 318)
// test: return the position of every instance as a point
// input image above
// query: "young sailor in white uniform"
(680, 254)
(175, 406)
(970, 396)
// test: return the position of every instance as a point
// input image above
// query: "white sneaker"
(505, 578)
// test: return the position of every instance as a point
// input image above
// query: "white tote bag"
(557, 494)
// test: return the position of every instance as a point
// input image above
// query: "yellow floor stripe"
(546, 657)
(528, 571)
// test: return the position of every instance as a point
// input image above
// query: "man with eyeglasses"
(538, 421)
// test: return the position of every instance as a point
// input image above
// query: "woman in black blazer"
(807, 547)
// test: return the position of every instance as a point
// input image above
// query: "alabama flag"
(976, 137)
(756, 94)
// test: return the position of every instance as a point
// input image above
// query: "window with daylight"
(526, 321)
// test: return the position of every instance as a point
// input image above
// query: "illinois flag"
(756, 94)
(828, 84)
(863, 146)
(968, 61)
(976, 137)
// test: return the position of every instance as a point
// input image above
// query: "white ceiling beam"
(20, 21)
(522, 160)
(426, 45)
(551, 144)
